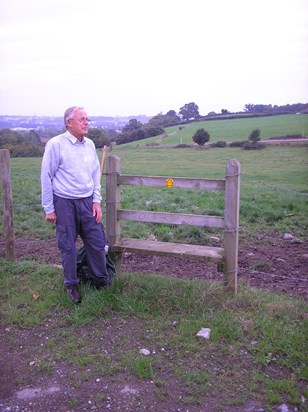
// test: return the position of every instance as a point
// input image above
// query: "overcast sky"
(130, 57)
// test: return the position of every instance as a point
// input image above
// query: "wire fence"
(269, 185)
(273, 275)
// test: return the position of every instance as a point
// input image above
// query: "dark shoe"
(101, 283)
(73, 294)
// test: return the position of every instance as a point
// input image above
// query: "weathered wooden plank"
(203, 253)
(169, 181)
(113, 197)
(7, 202)
(232, 206)
(171, 218)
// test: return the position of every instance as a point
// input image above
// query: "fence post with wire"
(225, 257)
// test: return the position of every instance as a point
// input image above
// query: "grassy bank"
(256, 348)
(233, 130)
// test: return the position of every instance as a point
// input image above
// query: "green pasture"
(231, 130)
(258, 345)
(283, 166)
(274, 181)
(274, 187)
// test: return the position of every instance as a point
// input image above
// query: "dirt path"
(33, 379)
(264, 262)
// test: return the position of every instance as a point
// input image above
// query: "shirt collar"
(73, 139)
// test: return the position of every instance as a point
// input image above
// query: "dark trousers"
(75, 217)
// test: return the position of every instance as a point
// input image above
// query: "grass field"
(257, 352)
(274, 183)
(273, 187)
(233, 130)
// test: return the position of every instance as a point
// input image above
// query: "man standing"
(70, 181)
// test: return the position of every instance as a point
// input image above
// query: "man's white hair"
(69, 113)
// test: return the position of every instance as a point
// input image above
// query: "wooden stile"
(226, 257)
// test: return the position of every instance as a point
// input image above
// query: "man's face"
(79, 124)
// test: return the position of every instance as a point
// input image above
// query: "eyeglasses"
(83, 120)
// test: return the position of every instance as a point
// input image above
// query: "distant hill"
(56, 123)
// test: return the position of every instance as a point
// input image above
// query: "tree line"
(135, 130)
(30, 143)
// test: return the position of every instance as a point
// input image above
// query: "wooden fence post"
(231, 235)
(7, 203)
(113, 198)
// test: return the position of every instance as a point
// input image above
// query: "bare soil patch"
(276, 265)
(266, 262)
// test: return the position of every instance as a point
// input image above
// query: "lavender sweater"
(70, 169)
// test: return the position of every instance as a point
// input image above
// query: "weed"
(142, 367)
(85, 376)
(82, 360)
(275, 387)
(20, 380)
(260, 265)
(45, 367)
(73, 402)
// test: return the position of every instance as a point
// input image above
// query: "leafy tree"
(224, 111)
(48, 132)
(201, 136)
(8, 147)
(132, 125)
(8, 136)
(249, 107)
(124, 137)
(171, 117)
(111, 134)
(131, 136)
(147, 130)
(220, 143)
(26, 149)
(255, 135)
(151, 130)
(171, 113)
(137, 134)
(158, 120)
(33, 137)
(98, 137)
(253, 146)
(189, 111)
(164, 120)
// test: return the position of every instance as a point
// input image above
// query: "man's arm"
(49, 166)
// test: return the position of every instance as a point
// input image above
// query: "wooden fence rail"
(226, 257)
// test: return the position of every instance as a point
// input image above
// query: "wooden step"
(203, 253)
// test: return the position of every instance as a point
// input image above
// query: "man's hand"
(51, 217)
(97, 212)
